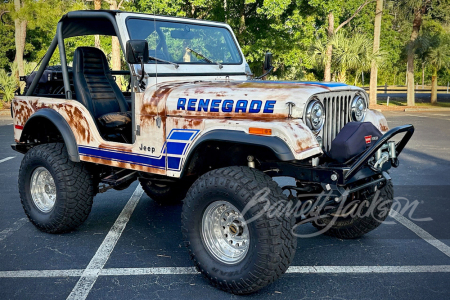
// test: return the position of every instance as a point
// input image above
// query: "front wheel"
(56, 193)
(232, 233)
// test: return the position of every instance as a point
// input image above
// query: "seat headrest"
(90, 60)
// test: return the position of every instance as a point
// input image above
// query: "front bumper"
(338, 179)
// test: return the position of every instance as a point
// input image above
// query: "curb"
(5, 112)
(428, 109)
(411, 109)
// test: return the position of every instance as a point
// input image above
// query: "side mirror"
(137, 51)
(267, 61)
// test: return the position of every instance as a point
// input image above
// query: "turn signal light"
(260, 131)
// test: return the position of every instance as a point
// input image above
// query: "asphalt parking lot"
(142, 256)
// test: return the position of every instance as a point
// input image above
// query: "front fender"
(377, 119)
(291, 139)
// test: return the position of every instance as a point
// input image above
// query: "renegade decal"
(227, 105)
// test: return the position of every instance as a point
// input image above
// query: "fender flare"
(274, 143)
(63, 127)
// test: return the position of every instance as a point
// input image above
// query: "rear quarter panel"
(92, 147)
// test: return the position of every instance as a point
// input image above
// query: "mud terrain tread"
(75, 189)
(357, 227)
(280, 244)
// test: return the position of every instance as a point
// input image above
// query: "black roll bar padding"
(409, 129)
(62, 56)
(42, 67)
(99, 14)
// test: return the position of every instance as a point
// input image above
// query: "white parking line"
(370, 269)
(6, 159)
(422, 234)
(150, 271)
(92, 271)
(15, 226)
(41, 273)
(192, 271)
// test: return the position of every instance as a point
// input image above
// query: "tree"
(20, 25)
(413, 10)
(438, 58)
(376, 48)
(351, 52)
(115, 46)
(331, 7)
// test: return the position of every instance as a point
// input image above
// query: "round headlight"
(358, 108)
(315, 115)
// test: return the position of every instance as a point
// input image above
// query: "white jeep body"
(180, 105)
(198, 128)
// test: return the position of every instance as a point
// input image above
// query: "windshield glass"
(185, 43)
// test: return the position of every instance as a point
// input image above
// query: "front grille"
(336, 116)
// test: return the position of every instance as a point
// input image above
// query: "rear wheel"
(365, 217)
(56, 193)
(238, 245)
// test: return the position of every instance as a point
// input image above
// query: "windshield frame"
(186, 21)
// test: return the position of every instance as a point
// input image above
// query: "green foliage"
(293, 30)
(8, 85)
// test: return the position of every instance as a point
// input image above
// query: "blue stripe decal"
(159, 162)
(177, 135)
(123, 157)
(175, 148)
(173, 163)
(327, 84)
(183, 134)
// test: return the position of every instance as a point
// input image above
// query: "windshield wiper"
(165, 61)
(205, 58)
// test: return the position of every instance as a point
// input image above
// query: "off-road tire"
(357, 226)
(74, 189)
(272, 243)
(169, 194)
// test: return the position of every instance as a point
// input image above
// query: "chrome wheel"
(43, 189)
(225, 232)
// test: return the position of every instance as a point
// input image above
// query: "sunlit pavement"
(407, 258)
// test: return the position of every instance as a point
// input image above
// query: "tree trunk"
(242, 18)
(97, 6)
(376, 48)
(417, 23)
(20, 27)
(115, 52)
(225, 10)
(329, 53)
(434, 87)
(423, 74)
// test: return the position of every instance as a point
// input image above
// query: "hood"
(242, 99)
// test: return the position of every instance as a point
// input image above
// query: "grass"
(439, 104)
(395, 102)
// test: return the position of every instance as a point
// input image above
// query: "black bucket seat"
(96, 89)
